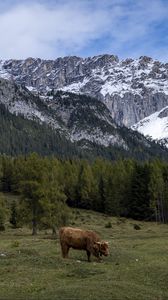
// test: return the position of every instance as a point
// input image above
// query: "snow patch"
(154, 126)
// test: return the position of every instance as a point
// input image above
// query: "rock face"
(130, 89)
(18, 100)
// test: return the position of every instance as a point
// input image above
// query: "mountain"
(65, 124)
(78, 117)
(130, 89)
(115, 93)
(22, 136)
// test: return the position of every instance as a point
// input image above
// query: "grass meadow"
(137, 267)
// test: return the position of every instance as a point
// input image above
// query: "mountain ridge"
(121, 85)
(131, 89)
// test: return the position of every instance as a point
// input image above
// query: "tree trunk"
(34, 219)
(34, 230)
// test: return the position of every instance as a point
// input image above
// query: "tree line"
(47, 187)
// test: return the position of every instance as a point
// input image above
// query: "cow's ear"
(106, 243)
(97, 246)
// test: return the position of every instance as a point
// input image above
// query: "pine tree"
(156, 189)
(85, 187)
(55, 212)
(31, 189)
(139, 206)
(70, 180)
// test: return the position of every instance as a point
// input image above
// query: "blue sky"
(53, 28)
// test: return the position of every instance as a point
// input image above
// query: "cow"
(82, 240)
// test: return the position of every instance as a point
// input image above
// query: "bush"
(15, 244)
(137, 227)
(108, 225)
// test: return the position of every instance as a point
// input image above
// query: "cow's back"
(77, 238)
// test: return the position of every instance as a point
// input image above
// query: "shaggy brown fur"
(82, 240)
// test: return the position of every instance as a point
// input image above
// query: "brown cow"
(82, 240)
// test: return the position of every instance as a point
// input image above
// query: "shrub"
(3, 214)
(137, 227)
(15, 244)
(108, 225)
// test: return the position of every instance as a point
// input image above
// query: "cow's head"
(101, 248)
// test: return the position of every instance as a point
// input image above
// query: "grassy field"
(137, 268)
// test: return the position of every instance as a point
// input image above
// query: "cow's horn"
(98, 243)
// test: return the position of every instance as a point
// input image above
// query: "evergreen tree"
(165, 198)
(85, 187)
(14, 214)
(31, 188)
(8, 175)
(55, 212)
(99, 174)
(139, 206)
(156, 189)
(3, 214)
(70, 180)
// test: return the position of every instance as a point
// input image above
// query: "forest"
(47, 187)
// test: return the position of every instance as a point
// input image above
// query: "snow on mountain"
(18, 100)
(76, 117)
(127, 76)
(134, 91)
(3, 73)
(131, 89)
(155, 126)
(74, 73)
(85, 119)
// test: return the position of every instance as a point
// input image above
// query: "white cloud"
(35, 30)
(57, 28)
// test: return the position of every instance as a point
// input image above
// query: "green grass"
(137, 267)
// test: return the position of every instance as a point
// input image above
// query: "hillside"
(22, 136)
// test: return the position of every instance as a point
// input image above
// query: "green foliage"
(3, 214)
(15, 244)
(48, 186)
(14, 214)
(137, 227)
(108, 225)
(139, 207)
(85, 186)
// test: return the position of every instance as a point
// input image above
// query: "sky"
(52, 28)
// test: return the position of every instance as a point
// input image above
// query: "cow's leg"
(88, 255)
(65, 250)
(99, 259)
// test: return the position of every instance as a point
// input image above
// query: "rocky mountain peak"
(131, 89)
